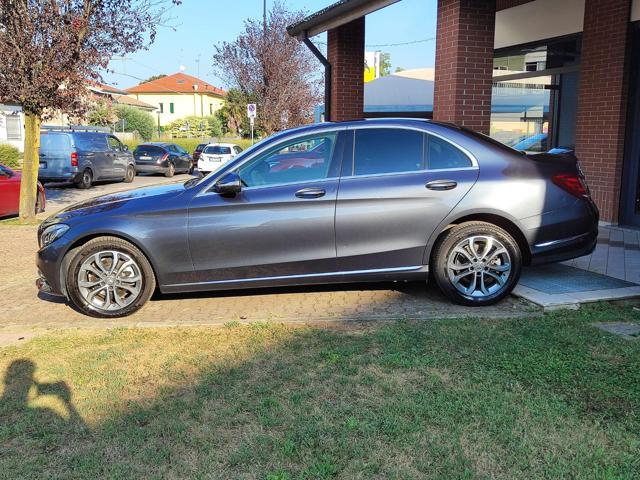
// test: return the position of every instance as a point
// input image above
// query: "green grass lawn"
(544, 397)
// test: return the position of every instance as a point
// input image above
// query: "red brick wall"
(602, 100)
(464, 62)
(345, 52)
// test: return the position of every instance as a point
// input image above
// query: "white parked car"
(215, 155)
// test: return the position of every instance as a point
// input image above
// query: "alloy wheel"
(110, 280)
(479, 266)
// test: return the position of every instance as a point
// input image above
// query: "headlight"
(52, 233)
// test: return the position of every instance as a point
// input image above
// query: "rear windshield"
(217, 150)
(200, 147)
(148, 151)
(54, 142)
(90, 141)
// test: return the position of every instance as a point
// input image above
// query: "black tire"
(108, 244)
(39, 203)
(477, 271)
(191, 168)
(171, 170)
(86, 180)
(130, 174)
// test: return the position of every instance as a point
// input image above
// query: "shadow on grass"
(445, 399)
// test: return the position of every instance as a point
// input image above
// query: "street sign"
(251, 110)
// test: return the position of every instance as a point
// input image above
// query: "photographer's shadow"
(19, 381)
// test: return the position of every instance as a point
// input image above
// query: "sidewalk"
(611, 272)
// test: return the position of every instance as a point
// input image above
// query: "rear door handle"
(442, 185)
(311, 193)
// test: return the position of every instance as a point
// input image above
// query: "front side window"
(388, 150)
(442, 155)
(302, 160)
(114, 143)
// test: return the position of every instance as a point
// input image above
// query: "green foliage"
(233, 114)
(153, 77)
(101, 115)
(194, 126)
(136, 121)
(9, 155)
(385, 64)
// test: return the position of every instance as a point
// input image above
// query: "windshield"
(217, 150)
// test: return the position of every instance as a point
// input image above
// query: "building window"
(14, 127)
(171, 107)
(211, 109)
(534, 98)
(161, 107)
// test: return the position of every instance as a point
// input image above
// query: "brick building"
(536, 74)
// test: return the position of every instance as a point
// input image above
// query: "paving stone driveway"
(22, 311)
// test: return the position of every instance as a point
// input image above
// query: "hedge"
(190, 144)
(9, 155)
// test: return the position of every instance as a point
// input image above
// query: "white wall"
(538, 20)
(543, 19)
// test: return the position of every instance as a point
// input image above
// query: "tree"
(273, 68)
(136, 120)
(153, 77)
(49, 50)
(101, 114)
(385, 64)
(233, 114)
(194, 126)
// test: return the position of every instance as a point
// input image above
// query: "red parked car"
(10, 193)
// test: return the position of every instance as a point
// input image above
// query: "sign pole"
(251, 113)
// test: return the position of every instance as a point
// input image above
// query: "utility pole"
(264, 18)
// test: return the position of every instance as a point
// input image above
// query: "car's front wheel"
(109, 277)
(477, 263)
(130, 174)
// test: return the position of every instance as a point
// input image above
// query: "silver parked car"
(371, 200)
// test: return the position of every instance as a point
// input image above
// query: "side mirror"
(230, 184)
(125, 148)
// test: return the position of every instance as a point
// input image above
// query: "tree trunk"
(30, 165)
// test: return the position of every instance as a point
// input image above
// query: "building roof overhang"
(335, 15)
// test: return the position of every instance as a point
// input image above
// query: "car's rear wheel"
(476, 263)
(130, 174)
(86, 180)
(109, 277)
(171, 170)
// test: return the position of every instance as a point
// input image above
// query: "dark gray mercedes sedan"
(371, 200)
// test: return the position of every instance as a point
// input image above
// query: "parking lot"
(22, 310)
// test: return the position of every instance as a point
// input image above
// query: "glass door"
(630, 199)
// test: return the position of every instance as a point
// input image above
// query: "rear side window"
(443, 155)
(387, 150)
(54, 142)
(217, 150)
(148, 151)
(90, 142)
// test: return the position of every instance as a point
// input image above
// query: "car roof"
(222, 144)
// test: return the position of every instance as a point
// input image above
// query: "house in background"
(179, 95)
(119, 97)
(12, 125)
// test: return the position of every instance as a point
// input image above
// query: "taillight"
(74, 159)
(572, 183)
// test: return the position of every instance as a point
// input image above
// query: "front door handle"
(311, 193)
(442, 185)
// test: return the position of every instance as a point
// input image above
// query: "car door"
(119, 156)
(396, 188)
(185, 158)
(280, 225)
(99, 155)
(9, 192)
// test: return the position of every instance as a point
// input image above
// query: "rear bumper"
(46, 177)
(566, 234)
(151, 168)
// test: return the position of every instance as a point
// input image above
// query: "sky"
(200, 24)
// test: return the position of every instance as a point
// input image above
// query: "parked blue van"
(83, 155)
